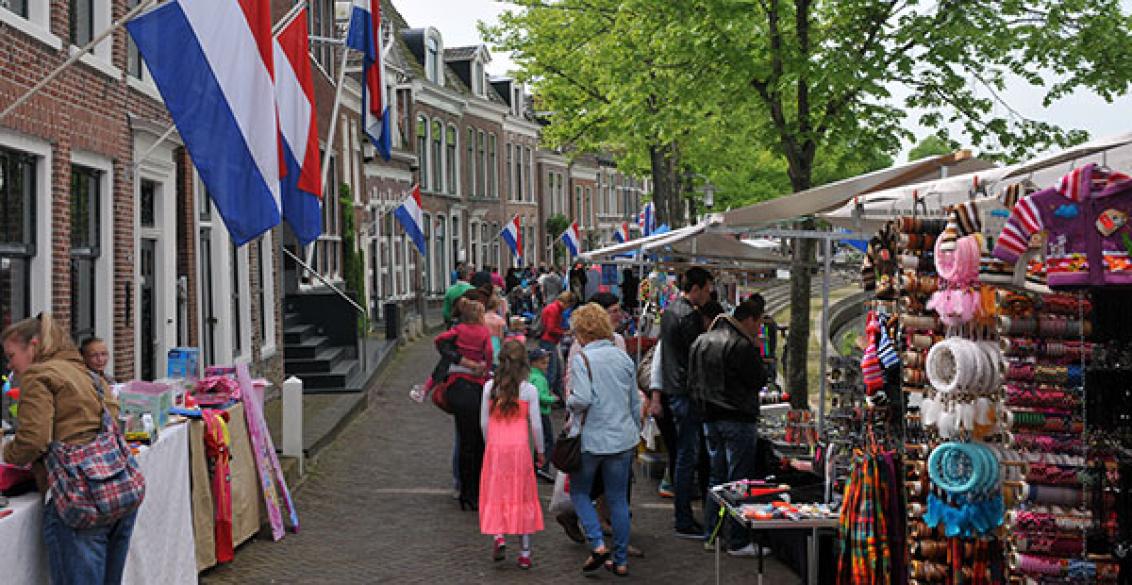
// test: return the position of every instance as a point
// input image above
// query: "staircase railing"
(364, 349)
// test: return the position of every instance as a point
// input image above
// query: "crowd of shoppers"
(700, 383)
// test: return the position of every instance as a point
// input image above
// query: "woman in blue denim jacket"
(604, 392)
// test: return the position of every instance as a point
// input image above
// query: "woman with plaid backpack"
(68, 434)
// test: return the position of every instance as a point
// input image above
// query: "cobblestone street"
(378, 508)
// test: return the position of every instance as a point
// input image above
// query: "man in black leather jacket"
(680, 325)
(725, 374)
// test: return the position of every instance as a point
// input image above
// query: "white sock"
(526, 545)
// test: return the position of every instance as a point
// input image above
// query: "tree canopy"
(758, 94)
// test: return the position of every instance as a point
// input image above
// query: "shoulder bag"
(97, 483)
(567, 454)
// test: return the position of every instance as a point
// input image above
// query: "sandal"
(618, 570)
(596, 561)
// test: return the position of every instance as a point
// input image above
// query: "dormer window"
(432, 59)
(517, 101)
(477, 78)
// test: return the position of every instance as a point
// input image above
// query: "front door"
(150, 340)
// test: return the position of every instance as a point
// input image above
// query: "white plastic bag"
(560, 499)
(649, 432)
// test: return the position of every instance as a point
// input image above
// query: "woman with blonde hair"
(62, 403)
(509, 415)
(606, 405)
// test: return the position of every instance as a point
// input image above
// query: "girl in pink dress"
(509, 417)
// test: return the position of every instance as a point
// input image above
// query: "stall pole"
(824, 332)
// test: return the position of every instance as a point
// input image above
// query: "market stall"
(161, 550)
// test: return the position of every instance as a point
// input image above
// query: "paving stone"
(378, 508)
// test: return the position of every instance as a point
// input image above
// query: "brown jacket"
(58, 402)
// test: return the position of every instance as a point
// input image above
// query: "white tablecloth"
(162, 547)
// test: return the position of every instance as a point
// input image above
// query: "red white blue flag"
(213, 62)
(409, 215)
(647, 219)
(298, 124)
(621, 234)
(364, 36)
(572, 237)
(512, 234)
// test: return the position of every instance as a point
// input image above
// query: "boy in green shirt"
(540, 361)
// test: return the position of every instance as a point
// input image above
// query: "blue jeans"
(615, 470)
(688, 428)
(554, 369)
(91, 555)
(731, 447)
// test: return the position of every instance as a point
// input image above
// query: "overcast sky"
(456, 21)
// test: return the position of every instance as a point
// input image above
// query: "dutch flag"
(621, 234)
(298, 123)
(572, 237)
(213, 62)
(409, 214)
(513, 234)
(647, 219)
(364, 36)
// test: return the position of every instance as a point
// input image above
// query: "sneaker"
(749, 551)
(693, 532)
(499, 550)
(524, 561)
(664, 490)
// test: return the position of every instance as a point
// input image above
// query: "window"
(518, 196)
(588, 207)
(20, 7)
(426, 219)
(263, 277)
(510, 179)
(321, 23)
(455, 240)
(432, 60)
(492, 167)
(530, 171)
(437, 151)
(438, 255)
(477, 78)
(17, 234)
(494, 246)
(473, 246)
(471, 162)
(133, 55)
(237, 338)
(85, 186)
(577, 202)
(82, 22)
(450, 160)
(146, 201)
(481, 161)
(422, 150)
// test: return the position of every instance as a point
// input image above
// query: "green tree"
(664, 82)
(354, 264)
(932, 145)
(555, 225)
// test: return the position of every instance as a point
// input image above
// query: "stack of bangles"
(1042, 348)
(968, 473)
(1046, 397)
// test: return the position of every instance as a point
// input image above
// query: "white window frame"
(101, 57)
(158, 168)
(104, 280)
(219, 244)
(267, 283)
(41, 263)
(37, 25)
(244, 289)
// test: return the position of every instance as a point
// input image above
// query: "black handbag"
(567, 454)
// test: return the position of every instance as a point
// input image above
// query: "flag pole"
(142, 5)
(275, 30)
(334, 118)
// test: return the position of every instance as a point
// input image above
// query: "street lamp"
(709, 194)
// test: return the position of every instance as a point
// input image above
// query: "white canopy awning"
(691, 242)
(833, 195)
(871, 211)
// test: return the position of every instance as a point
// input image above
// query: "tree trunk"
(798, 342)
(667, 198)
